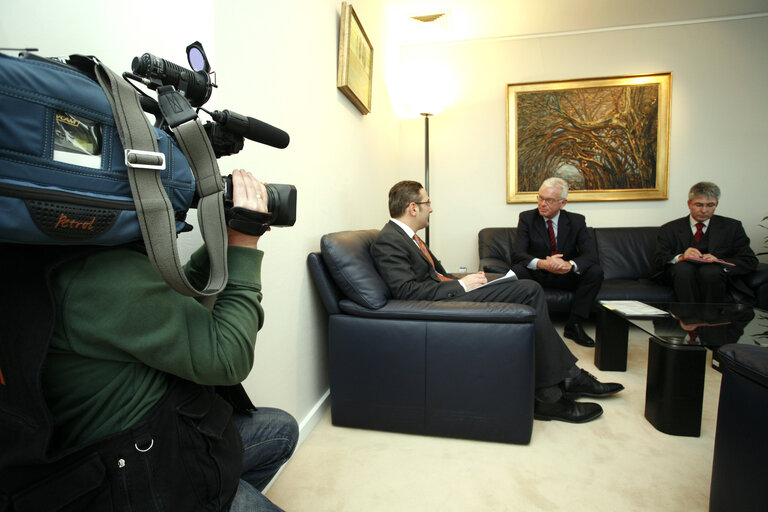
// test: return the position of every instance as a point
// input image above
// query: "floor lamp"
(426, 163)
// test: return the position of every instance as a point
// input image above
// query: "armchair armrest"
(497, 312)
(495, 265)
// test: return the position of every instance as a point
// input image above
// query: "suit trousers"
(697, 282)
(585, 287)
(553, 360)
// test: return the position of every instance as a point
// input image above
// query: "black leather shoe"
(567, 410)
(577, 333)
(585, 384)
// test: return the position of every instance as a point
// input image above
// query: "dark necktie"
(552, 241)
(423, 248)
(699, 231)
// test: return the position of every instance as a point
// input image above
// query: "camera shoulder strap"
(154, 210)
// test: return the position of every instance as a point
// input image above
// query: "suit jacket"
(726, 240)
(574, 241)
(406, 270)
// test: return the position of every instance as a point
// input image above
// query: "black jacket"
(574, 241)
(726, 240)
(406, 270)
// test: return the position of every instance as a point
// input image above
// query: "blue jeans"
(269, 438)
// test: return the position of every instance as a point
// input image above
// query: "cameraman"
(131, 369)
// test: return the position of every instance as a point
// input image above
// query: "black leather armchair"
(741, 451)
(455, 369)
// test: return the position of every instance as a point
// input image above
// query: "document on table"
(633, 308)
(509, 276)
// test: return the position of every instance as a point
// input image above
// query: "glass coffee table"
(680, 335)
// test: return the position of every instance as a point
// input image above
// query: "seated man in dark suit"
(412, 272)
(554, 248)
(700, 253)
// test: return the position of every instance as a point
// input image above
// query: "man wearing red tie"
(554, 248)
(412, 272)
(699, 254)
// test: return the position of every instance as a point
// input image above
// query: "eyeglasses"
(428, 203)
(704, 205)
(548, 202)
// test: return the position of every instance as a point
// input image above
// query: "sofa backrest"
(626, 253)
(496, 243)
(347, 257)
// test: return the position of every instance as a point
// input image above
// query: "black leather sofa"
(450, 369)
(626, 256)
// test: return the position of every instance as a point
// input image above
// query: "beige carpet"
(618, 462)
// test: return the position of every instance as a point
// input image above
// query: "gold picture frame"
(608, 137)
(355, 74)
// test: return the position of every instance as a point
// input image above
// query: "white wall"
(275, 61)
(718, 128)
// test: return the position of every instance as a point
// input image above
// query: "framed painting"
(607, 137)
(355, 73)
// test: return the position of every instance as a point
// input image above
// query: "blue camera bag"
(80, 164)
(50, 195)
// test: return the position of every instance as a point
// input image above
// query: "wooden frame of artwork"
(608, 137)
(355, 73)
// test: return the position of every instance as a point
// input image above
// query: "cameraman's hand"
(249, 193)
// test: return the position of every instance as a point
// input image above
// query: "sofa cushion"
(347, 256)
(558, 300)
(626, 253)
(645, 290)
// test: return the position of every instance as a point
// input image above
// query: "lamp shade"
(426, 87)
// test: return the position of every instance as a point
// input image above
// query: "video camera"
(227, 129)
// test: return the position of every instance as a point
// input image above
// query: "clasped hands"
(555, 264)
(692, 252)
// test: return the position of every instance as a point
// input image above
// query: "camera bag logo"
(66, 222)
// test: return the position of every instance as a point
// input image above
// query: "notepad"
(632, 308)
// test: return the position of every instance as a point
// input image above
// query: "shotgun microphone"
(251, 128)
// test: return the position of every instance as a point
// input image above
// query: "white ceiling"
(470, 20)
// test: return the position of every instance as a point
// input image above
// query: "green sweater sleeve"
(115, 307)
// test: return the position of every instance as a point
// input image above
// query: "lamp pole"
(426, 162)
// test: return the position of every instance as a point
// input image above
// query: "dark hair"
(401, 195)
(704, 189)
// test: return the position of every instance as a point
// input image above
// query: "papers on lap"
(509, 276)
(702, 260)
(633, 308)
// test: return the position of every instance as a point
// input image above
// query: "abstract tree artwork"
(607, 137)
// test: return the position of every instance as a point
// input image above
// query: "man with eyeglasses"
(554, 248)
(413, 272)
(701, 253)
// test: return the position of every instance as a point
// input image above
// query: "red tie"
(699, 231)
(552, 241)
(423, 248)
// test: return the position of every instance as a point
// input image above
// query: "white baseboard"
(313, 416)
(306, 426)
